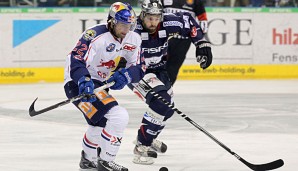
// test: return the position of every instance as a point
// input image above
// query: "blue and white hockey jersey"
(98, 53)
(155, 46)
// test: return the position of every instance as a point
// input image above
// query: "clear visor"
(125, 26)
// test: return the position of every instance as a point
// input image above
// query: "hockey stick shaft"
(257, 167)
(33, 112)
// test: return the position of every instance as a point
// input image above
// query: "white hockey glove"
(204, 25)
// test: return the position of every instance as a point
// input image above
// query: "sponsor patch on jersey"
(89, 34)
(172, 23)
(88, 109)
(151, 132)
(162, 33)
(104, 97)
(129, 47)
(193, 32)
(168, 2)
(111, 47)
(145, 36)
(186, 21)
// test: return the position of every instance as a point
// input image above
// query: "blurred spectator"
(65, 3)
(47, 3)
(4, 3)
(25, 3)
(287, 3)
(222, 3)
(242, 3)
(86, 3)
(257, 3)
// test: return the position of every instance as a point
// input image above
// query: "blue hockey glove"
(86, 86)
(121, 78)
(204, 54)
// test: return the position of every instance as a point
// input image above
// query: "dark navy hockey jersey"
(155, 46)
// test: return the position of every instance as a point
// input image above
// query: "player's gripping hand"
(121, 78)
(204, 54)
(86, 86)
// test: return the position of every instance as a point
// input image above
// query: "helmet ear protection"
(122, 12)
(151, 7)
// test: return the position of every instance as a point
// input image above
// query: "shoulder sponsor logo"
(89, 34)
(172, 23)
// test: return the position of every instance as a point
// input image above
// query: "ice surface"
(256, 119)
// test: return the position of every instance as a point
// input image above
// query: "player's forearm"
(136, 72)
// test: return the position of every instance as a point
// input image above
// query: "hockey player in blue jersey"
(101, 50)
(155, 28)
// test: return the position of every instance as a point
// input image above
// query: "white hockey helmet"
(151, 7)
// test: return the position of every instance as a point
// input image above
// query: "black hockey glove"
(204, 54)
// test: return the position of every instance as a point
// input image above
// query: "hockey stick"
(33, 112)
(257, 167)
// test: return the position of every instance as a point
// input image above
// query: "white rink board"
(238, 38)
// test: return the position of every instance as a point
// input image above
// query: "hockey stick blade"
(256, 167)
(33, 112)
(263, 167)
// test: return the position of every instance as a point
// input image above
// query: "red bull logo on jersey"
(109, 64)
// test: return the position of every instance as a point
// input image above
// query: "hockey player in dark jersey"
(178, 45)
(155, 28)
